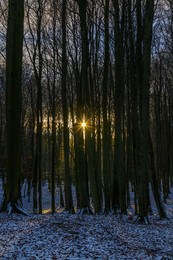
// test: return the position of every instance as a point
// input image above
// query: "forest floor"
(65, 236)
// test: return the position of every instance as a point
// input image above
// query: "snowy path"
(64, 236)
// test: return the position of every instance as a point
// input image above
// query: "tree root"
(84, 211)
(142, 220)
(13, 207)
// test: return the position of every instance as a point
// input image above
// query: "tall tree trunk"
(118, 194)
(38, 77)
(53, 110)
(106, 148)
(143, 152)
(134, 86)
(81, 91)
(14, 45)
(68, 182)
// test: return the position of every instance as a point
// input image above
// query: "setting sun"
(83, 124)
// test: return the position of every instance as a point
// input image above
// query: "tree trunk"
(82, 88)
(106, 148)
(143, 152)
(118, 194)
(53, 110)
(154, 182)
(14, 43)
(68, 191)
(38, 77)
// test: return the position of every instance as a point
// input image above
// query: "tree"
(106, 148)
(118, 194)
(53, 107)
(144, 140)
(36, 58)
(82, 88)
(68, 192)
(14, 42)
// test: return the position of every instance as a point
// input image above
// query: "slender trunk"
(118, 199)
(106, 148)
(68, 191)
(53, 111)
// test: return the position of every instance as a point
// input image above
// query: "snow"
(75, 236)
(65, 236)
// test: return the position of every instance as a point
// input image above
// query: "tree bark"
(68, 182)
(14, 42)
(143, 152)
(106, 148)
(81, 92)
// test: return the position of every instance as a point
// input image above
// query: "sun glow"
(83, 124)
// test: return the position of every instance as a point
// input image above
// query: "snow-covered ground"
(64, 236)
